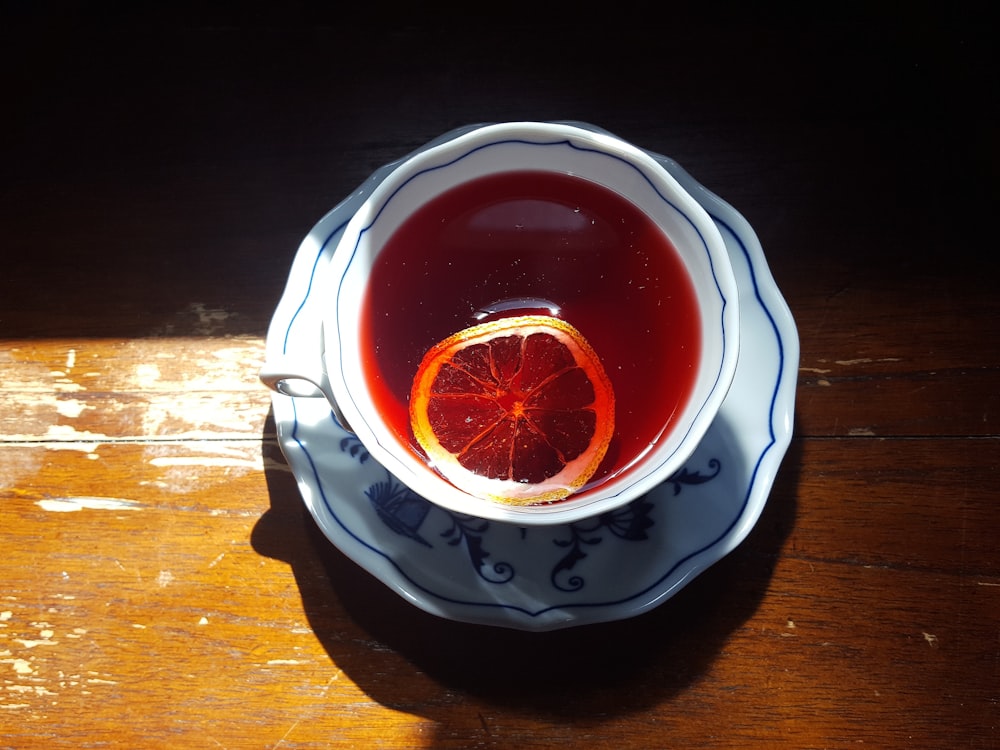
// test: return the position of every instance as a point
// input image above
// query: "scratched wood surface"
(162, 585)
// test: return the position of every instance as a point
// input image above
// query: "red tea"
(537, 242)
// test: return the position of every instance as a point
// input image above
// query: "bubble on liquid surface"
(517, 306)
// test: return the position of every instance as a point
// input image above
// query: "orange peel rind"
(517, 410)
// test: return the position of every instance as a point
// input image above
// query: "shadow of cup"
(389, 647)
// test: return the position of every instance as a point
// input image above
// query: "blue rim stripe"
(312, 278)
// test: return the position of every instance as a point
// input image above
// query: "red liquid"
(530, 242)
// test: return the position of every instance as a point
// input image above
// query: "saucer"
(598, 569)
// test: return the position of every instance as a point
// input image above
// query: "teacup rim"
(461, 145)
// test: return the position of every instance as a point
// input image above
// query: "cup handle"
(300, 379)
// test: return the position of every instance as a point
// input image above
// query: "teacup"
(549, 221)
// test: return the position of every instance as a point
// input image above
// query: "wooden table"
(161, 584)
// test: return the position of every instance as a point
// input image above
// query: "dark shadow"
(567, 674)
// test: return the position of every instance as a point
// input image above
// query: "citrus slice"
(517, 410)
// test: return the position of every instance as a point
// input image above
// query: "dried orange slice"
(517, 410)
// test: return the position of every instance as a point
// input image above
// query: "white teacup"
(515, 218)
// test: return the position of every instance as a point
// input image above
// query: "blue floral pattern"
(470, 531)
(629, 523)
(405, 512)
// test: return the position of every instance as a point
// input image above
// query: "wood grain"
(162, 584)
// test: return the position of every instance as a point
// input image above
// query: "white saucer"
(544, 578)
